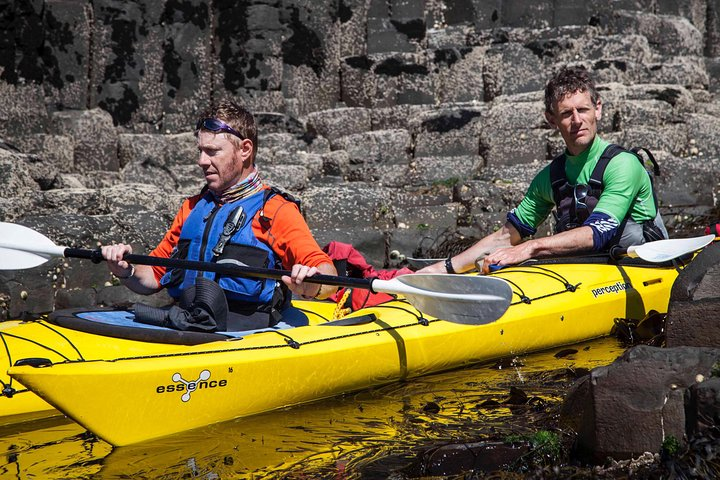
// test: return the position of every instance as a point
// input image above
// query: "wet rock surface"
(646, 386)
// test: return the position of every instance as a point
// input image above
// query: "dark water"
(370, 434)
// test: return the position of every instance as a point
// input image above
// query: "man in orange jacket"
(235, 218)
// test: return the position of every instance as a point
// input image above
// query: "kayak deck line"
(8, 391)
(369, 347)
(290, 342)
(38, 321)
(539, 270)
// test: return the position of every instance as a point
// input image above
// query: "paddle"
(657, 251)
(665, 250)
(471, 300)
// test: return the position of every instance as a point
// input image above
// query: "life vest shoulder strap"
(611, 152)
(557, 177)
(655, 167)
(596, 177)
(272, 191)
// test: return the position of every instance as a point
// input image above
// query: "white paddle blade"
(12, 259)
(466, 299)
(22, 247)
(666, 250)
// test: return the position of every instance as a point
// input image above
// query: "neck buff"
(249, 186)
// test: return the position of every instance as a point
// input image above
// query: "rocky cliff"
(400, 123)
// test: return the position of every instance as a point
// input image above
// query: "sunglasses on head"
(214, 125)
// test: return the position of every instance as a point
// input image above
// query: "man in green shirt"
(595, 208)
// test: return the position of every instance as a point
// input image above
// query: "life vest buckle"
(234, 222)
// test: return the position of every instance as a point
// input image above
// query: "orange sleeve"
(287, 234)
(170, 240)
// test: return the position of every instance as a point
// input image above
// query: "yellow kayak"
(126, 390)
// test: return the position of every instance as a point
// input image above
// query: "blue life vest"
(222, 233)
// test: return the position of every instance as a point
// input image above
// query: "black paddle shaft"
(222, 268)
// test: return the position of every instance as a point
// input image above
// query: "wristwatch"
(448, 265)
(132, 272)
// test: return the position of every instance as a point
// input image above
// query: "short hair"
(567, 81)
(239, 118)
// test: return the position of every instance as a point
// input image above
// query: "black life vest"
(575, 203)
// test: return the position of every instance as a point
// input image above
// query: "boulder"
(118, 296)
(458, 74)
(448, 132)
(487, 203)
(335, 164)
(85, 201)
(22, 110)
(512, 148)
(702, 402)
(636, 403)
(289, 142)
(48, 156)
(387, 79)
(694, 303)
(29, 292)
(679, 186)
(487, 14)
(444, 35)
(311, 92)
(75, 298)
(510, 68)
(80, 278)
(672, 138)
(703, 129)
(688, 71)
(516, 13)
(624, 48)
(668, 34)
(167, 162)
(630, 113)
(351, 37)
(423, 219)
(395, 26)
(384, 147)
(371, 242)
(16, 178)
(67, 52)
(444, 170)
(291, 178)
(399, 116)
(380, 155)
(273, 122)
(355, 205)
(94, 138)
(357, 84)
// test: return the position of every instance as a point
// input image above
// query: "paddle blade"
(666, 250)
(22, 247)
(11, 259)
(466, 299)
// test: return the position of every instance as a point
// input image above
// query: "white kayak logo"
(191, 386)
(188, 387)
(616, 287)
